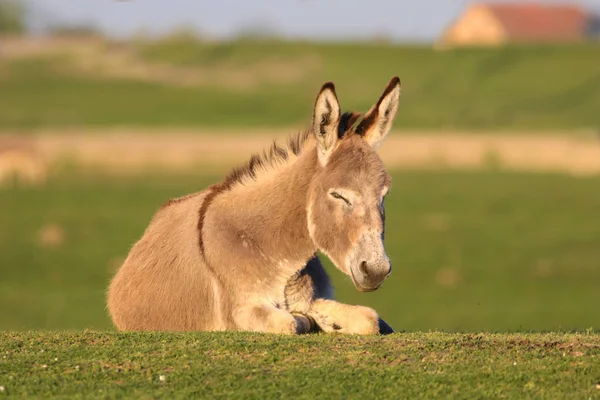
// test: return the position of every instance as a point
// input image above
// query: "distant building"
(491, 24)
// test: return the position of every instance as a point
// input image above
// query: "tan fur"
(241, 255)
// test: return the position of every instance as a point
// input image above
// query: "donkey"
(242, 254)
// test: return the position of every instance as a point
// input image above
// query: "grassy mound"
(252, 366)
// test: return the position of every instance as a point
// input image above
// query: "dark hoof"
(384, 328)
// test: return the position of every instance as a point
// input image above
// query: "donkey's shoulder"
(179, 205)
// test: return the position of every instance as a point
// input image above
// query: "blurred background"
(110, 108)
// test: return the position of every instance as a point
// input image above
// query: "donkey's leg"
(268, 318)
(311, 283)
(310, 293)
(333, 316)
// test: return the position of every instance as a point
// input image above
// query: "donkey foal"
(241, 255)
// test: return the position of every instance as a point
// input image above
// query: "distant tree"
(12, 17)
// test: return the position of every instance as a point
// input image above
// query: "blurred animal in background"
(21, 163)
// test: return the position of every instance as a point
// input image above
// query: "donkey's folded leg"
(268, 318)
(332, 316)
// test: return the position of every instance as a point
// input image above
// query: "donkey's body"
(241, 255)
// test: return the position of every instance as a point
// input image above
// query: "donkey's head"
(346, 216)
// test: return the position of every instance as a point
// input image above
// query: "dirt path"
(127, 151)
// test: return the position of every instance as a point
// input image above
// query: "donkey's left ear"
(326, 120)
(377, 123)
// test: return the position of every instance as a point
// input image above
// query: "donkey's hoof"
(304, 324)
(384, 328)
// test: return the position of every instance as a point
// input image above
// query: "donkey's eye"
(338, 196)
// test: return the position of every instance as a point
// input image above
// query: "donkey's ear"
(377, 123)
(326, 119)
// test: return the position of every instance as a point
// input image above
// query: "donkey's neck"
(269, 214)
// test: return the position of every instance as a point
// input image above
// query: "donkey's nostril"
(363, 268)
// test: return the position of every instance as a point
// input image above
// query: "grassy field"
(481, 251)
(247, 366)
(247, 83)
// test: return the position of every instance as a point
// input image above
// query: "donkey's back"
(164, 283)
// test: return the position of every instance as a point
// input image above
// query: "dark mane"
(347, 122)
(276, 154)
(269, 157)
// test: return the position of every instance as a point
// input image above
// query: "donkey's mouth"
(359, 287)
(364, 289)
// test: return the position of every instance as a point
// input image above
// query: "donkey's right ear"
(377, 123)
(326, 119)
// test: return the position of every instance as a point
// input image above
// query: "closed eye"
(338, 196)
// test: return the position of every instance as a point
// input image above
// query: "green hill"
(251, 366)
(183, 82)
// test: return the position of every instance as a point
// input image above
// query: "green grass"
(251, 366)
(480, 251)
(524, 87)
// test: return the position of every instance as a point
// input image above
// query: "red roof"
(540, 22)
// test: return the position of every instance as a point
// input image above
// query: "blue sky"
(402, 20)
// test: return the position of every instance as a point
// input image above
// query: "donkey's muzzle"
(368, 277)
